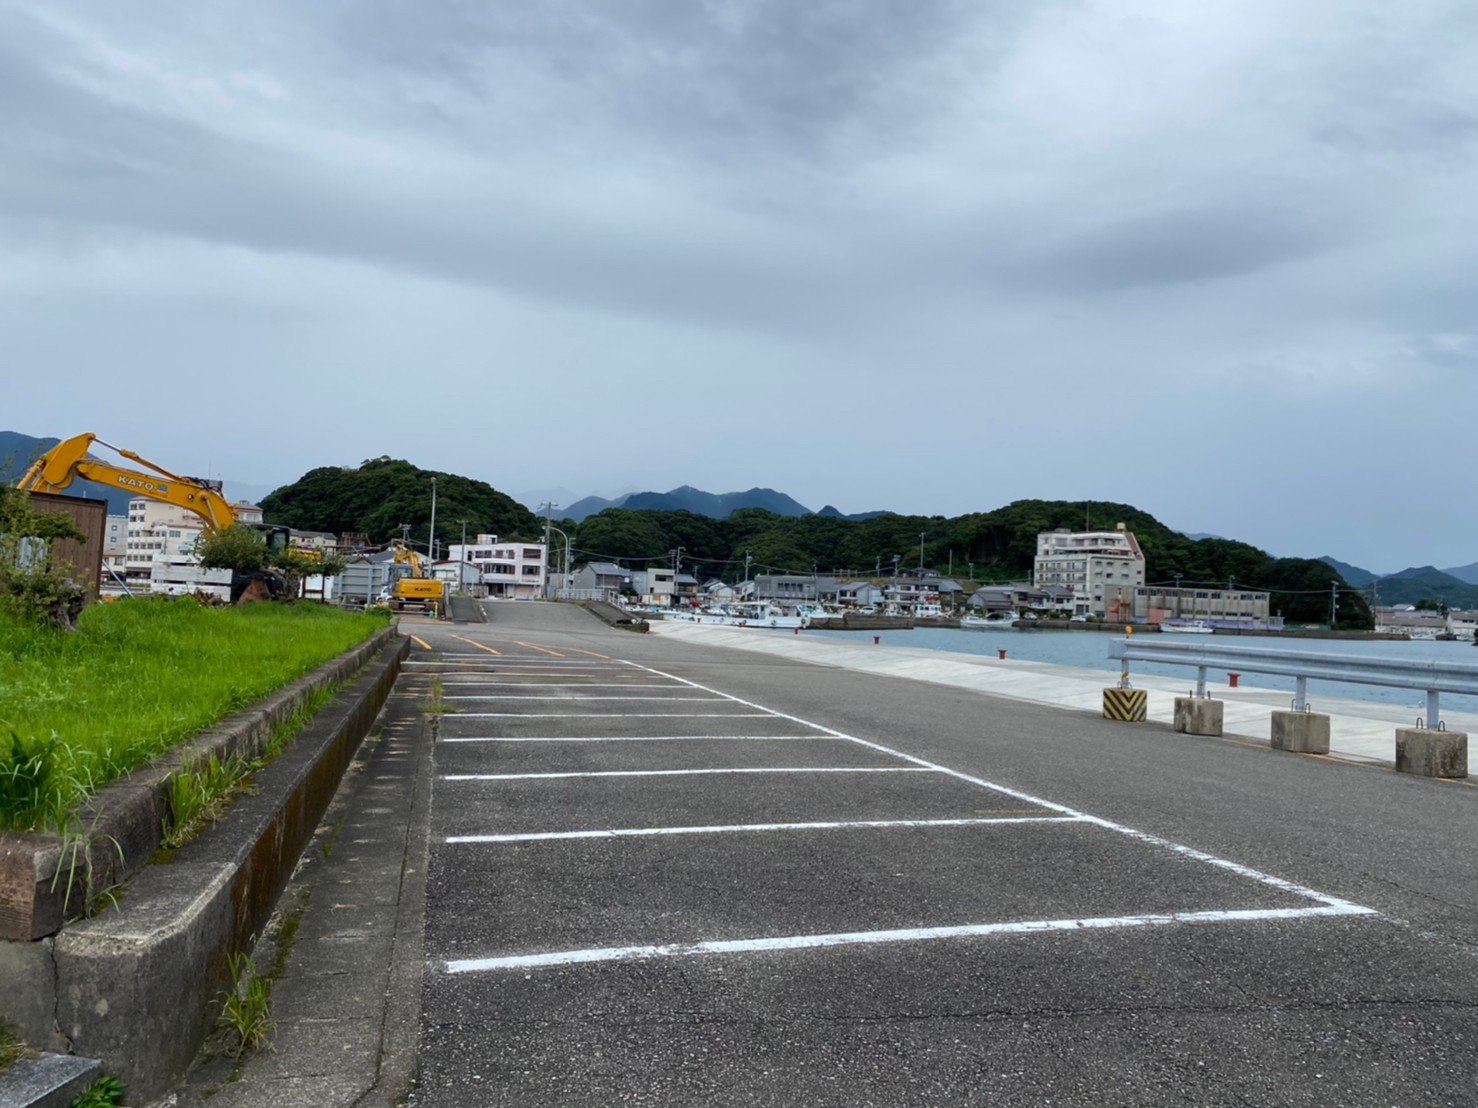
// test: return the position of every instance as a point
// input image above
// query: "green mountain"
(1411, 586)
(383, 493)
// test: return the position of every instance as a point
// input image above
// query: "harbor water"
(1089, 650)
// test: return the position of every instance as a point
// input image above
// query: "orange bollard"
(1001, 654)
(1232, 679)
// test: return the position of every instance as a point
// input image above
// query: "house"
(784, 588)
(600, 578)
(1097, 567)
(685, 589)
(655, 587)
(860, 594)
(509, 570)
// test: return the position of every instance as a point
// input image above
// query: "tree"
(33, 583)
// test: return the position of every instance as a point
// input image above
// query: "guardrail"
(1431, 677)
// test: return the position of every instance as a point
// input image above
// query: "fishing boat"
(997, 621)
(1188, 627)
(743, 615)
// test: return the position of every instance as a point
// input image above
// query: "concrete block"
(1430, 753)
(50, 1081)
(28, 1000)
(1198, 715)
(1301, 732)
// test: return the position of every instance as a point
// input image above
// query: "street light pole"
(921, 552)
(431, 538)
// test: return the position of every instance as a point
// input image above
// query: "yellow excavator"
(417, 588)
(69, 459)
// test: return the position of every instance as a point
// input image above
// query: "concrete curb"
(50, 1081)
(616, 617)
(139, 987)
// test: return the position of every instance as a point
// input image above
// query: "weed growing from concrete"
(437, 705)
(247, 1013)
(198, 797)
(12, 1050)
(105, 1092)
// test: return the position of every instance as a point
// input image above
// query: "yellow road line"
(593, 654)
(479, 645)
(545, 649)
(424, 644)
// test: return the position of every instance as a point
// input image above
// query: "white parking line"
(634, 738)
(905, 935)
(571, 696)
(1324, 904)
(836, 825)
(1108, 825)
(559, 684)
(615, 715)
(680, 772)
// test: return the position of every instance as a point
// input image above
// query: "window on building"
(533, 552)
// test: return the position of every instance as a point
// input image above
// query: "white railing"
(1429, 676)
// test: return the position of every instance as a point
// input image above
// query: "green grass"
(247, 1013)
(198, 796)
(138, 677)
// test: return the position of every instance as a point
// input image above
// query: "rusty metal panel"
(84, 560)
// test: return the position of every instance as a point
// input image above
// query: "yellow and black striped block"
(1125, 704)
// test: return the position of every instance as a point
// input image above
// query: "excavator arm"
(68, 460)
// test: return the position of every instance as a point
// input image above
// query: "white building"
(655, 587)
(508, 569)
(156, 529)
(1100, 568)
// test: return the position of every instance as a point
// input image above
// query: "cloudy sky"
(1216, 259)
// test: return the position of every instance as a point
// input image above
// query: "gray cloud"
(933, 252)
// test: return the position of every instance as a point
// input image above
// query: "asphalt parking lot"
(661, 875)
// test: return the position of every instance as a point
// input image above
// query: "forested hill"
(383, 493)
(995, 546)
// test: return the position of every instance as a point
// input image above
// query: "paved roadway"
(662, 873)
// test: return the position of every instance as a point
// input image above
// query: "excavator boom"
(68, 460)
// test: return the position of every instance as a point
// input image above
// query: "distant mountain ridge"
(1413, 585)
(685, 498)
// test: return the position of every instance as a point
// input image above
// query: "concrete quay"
(1362, 730)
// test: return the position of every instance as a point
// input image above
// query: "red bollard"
(1232, 679)
(876, 639)
(797, 630)
(1001, 654)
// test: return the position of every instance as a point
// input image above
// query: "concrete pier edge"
(138, 986)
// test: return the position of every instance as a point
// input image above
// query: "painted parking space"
(955, 876)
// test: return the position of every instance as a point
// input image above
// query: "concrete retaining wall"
(138, 985)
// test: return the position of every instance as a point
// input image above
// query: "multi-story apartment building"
(156, 528)
(1100, 568)
(508, 569)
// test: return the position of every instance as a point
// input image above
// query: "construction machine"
(417, 588)
(68, 460)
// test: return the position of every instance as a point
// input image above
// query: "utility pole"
(431, 538)
(746, 567)
(548, 522)
(921, 552)
(1333, 603)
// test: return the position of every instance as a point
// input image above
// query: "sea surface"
(1089, 650)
